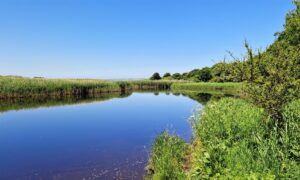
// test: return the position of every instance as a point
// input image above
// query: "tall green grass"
(150, 85)
(226, 88)
(167, 158)
(16, 87)
(233, 139)
(28, 87)
(11, 87)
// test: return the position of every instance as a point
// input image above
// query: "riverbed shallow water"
(108, 138)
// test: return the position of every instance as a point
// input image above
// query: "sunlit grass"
(228, 87)
(233, 140)
(12, 87)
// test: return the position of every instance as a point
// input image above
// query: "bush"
(277, 70)
(205, 74)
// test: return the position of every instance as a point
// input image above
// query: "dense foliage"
(276, 72)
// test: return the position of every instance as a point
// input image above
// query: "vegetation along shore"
(20, 87)
(256, 137)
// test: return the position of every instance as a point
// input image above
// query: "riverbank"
(232, 140)
(210, 87)
(20, 87)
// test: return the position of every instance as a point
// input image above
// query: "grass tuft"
(167, 158)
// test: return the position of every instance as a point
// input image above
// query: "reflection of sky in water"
(103, 139)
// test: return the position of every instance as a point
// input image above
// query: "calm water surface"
(99, 140)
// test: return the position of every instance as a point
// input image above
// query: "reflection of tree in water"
(176, 94)
(29, 103)
(203, 98)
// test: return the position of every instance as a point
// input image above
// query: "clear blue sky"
(129, 38)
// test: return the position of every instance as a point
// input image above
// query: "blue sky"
(112, 39)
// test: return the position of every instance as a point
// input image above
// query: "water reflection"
(31, 103)
(106, 136)
(92, 137)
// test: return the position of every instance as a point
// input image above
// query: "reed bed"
(30, 87)
(20, 87)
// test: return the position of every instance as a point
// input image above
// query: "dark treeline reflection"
(31, 103)
(203, 98)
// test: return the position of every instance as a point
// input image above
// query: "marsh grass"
(20, 87)
(16, 87)
(30, 87)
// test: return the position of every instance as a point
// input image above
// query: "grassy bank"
(11, 87)
(19, 87)
(232, 140)
(209, 87)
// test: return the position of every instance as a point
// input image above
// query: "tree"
(155, 76)
(166, 75)
(277, 81)
(176, 76)
(205, 74)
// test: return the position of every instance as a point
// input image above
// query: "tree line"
(272, 75)
(280, 60)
